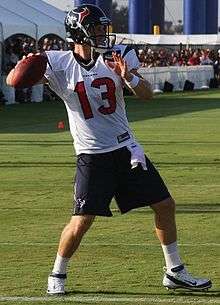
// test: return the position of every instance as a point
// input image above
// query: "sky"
(173, 8)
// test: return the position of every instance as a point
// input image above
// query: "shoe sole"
(189, 288)
(55, 293)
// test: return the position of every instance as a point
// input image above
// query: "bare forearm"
(139, 86)
(143, 90)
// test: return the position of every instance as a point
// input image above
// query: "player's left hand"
(119, 66)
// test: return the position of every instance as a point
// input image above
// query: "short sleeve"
(130, 55)
(132, 59)
(58, 61)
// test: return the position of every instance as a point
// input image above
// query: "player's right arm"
(9, 79)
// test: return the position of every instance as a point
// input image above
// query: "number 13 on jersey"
(108, 95)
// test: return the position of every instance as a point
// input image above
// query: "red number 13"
(108, 95)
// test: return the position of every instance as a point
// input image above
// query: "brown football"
(29, 71)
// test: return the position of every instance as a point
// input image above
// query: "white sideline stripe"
(95, 299)
(145, 209)
(111, 244)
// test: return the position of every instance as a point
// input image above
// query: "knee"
(79, 225)
(165, 207)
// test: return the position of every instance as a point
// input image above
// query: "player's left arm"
(143, 89)
(133, 80)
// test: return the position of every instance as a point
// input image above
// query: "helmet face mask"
(100, 37)
(87, 24)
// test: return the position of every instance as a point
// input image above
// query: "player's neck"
(83, 51)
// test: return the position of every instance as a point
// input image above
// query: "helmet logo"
(83, 14)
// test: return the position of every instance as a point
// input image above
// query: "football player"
(110, 162)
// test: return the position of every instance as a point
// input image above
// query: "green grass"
(119, 257)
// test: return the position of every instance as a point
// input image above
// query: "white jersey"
(94, 102)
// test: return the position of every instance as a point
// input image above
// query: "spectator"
(204, 59)
(216, 67)
(142, 57)
(175, 61)
(10, 59)
(194, 59)
(9, 62)
(55, 45)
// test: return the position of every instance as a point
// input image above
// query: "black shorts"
(100, 177)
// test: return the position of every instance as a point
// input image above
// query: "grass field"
(120, 260)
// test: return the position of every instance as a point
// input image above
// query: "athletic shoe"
(178, 277)
(56, 284)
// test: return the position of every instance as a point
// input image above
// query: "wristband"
(134, 82)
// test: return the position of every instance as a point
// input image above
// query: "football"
(29, 71)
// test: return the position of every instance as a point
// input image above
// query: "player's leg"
(93, 190)
(73, 233)
(176, 275)
(144, 186)
(165, 223)
(69, 242)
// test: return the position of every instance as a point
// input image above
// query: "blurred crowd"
(14, 51)
(20, 46)
(15, 48)
(185, 57)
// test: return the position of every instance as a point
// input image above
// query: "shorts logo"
(80, 202)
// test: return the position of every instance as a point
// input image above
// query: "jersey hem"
(101, 151)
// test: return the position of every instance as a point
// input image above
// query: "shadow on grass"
(37, 164)
(43, 117)
(46, 143)
(73, 165)
(164, 106)
(33, 118)
(180, 208)
(208, 294)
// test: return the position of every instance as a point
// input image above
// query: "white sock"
(171, 255)
(60, 264)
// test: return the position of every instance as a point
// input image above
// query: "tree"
(119, 18)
